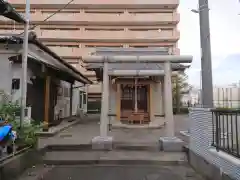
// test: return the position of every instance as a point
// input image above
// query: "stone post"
(168, 99)
(105, 102)
(161, 98)
(104, 142)
(169, 143)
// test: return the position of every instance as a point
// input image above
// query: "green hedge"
(182, 110)
(94, 107)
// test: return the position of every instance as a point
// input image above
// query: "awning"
(8, 11)
(54, 60)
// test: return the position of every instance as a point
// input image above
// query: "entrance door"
(142, 98)
(83, 101)
(128, 100)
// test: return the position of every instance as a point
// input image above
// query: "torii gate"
(167, 60)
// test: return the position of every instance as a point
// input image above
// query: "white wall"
(76, 98)
(17, 72)
(5, 73)
(201, 140)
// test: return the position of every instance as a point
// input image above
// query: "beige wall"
(86, 24)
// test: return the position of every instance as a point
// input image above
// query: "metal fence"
(226, 130)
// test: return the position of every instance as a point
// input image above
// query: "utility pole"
(206, 61)
(239, 94)
(24, 64)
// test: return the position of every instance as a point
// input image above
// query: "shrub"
(26, 135)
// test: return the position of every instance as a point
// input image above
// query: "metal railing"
(226, 130)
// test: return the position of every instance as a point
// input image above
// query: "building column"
(162, 97)
(86, 105)
(135, 96)
(71, 100)
(168, 99)
(118, 102)
(46, 103)
(160, 90)
(105, 102)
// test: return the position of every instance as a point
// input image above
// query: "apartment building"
(84, 25)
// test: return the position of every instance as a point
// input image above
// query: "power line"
(59, 10)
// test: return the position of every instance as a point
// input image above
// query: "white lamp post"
(24, 64)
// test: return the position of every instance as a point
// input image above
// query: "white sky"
(225, 37)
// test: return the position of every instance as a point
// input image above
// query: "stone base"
(185, 133)
(102, 143)
(171, 144)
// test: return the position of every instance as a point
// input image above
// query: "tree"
(179, 88)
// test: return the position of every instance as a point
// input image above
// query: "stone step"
(114, 158)
(126, 146)
(69, 147)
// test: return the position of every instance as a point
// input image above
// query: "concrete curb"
(116, 146)
(58, 130)
(185, 133)
(122, 126)
(115, 162)
(71, 147)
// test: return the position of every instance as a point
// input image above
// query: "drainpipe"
(71, 98)
(136, 105)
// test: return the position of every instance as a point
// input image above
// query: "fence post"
(217, 130)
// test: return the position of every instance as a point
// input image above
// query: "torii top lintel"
(138, 59)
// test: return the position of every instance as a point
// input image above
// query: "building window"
(66, 92)
(98, 11)
(15, 84)
(69, 11)
(103, 46)
(63, 45)
(60, 28)
(144, 29)
(152, 11)
(139, 46)
(82, 99)
(104, 29)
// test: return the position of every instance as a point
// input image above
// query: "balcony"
(98, 4)
(72, 51)
(9, 32)
(95, 88)
(76, 35)
(64, 35)
(95, 18)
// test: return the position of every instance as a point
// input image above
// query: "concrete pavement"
(112, 172)
(84, 133)
(131, 164)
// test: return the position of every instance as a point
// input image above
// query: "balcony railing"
(226, 130)
(87, 3)
(81, 17)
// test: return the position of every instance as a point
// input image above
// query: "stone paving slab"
(84, 133)
(36, 172)
(115, 172)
